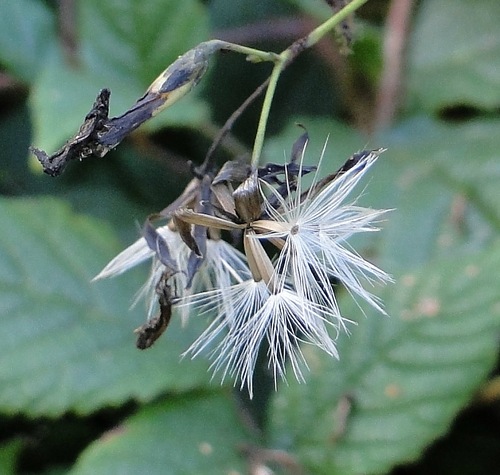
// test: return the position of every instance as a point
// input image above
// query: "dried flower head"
(282, 300)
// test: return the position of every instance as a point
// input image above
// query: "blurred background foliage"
(417, 392)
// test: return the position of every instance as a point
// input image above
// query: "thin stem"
(264, 114)
(254, 55)
(318, 33)
(282, 62)
(230, 122)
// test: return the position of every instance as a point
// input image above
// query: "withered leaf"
(148, 333)
(352, 161)
(232, 171)
(156, 242)
(98, 134)
(86, 141)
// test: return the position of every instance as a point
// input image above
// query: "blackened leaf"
(98, 135)
(184, 229)
(157, 243)
(119, 127)
(298, 147)
(86, 141)
(232, 171)
(148, 333)
(122, 46)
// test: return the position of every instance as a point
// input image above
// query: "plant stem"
(318, 33)
(264, 114)
(254, 55)
(283, 59)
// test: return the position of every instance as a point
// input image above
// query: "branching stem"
(284, 58)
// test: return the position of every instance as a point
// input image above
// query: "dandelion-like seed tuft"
(257, 299)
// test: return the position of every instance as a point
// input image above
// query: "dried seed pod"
(223, 194)
(248, 199)
(260, 265)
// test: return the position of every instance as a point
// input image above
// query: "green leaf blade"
(68, 343)
(441, 180)
(191, 435)
(407, 375)
(123, 46)
(455, 55)
(27, 33)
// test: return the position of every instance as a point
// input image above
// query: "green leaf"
(407, 375)
(124, 46)
(68, 343)
(442, 181)
(9, 451)
(188, 435)
(139, 39)
(455, 55)
(27, 33)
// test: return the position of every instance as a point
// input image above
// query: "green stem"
(253, 54)
(318, 33)
(282, 61)
(264, 114)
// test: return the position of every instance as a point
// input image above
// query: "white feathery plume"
(246, 315)
(314, 228)
(223, 265)
(137, 253)
(253, 301)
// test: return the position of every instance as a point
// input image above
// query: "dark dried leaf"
(86, 141)
(233, 171)
(299, 146)
(157, 243)
(148, 333)
(98, 134)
